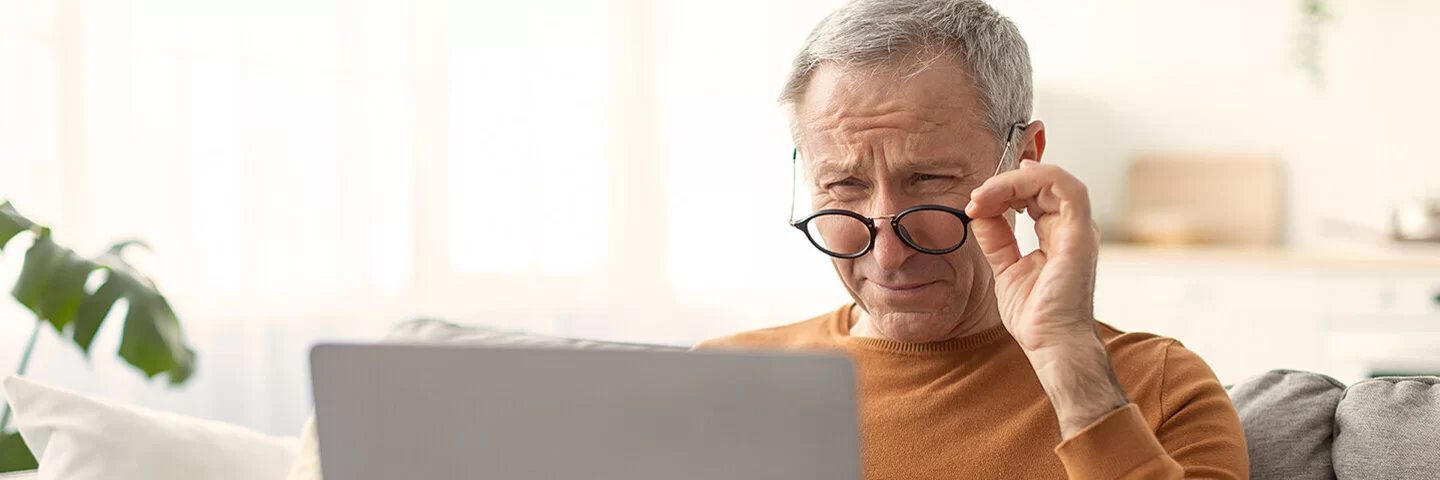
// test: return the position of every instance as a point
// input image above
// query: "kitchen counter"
(1423, 256)
(1347, 312)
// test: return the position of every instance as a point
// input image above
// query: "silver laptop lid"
(449, 412)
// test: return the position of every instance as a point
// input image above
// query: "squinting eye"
(926, 176)
(849, 182)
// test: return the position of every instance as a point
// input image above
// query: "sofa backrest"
(1303, 426)
(426, 330)
(1289, 420)
(1389, 428)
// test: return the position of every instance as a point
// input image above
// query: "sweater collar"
(840, 327)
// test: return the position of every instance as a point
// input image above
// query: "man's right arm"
(1199, 435)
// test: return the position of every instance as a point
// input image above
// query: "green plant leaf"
(14, 454)
(93, 310)
(62, 287)
(119, 247)
(11, 223)
(97, 306)
(152, 339)
(52, 284)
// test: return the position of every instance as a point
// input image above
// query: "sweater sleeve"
(1199, 434)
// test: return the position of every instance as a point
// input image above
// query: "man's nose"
(890, 252)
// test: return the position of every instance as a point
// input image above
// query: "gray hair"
(912, 34)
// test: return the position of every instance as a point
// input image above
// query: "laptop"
(451, 412)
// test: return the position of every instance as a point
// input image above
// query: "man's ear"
(1034, 142)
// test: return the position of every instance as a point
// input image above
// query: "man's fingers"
(997, 241)
(1051, 188)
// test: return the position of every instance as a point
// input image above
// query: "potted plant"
(1314, 15)
(53, 285)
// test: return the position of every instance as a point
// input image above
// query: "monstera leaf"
(52, 284)
(11, 223)
(14, 454)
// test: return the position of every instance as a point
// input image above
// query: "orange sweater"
(972, 407)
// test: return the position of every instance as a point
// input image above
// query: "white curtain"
(322, 169)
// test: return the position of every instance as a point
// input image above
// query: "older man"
(911, 118)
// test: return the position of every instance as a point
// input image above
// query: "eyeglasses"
(932, 229)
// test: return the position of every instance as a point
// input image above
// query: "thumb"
(997, 241)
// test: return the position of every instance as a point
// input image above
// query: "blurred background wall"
(617, 169)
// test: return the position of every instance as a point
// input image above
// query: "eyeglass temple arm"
(1004, 155)
(794, 158)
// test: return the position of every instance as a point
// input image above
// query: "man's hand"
(1047, 297)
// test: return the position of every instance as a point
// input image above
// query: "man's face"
(878, 143)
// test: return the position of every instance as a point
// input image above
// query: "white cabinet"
(1249, 311)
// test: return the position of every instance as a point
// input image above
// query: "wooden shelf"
(1417, 256)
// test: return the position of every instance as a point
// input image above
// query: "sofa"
(1298, 425)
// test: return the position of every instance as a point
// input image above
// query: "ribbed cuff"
(1115, 444)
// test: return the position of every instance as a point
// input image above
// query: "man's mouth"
(903, 287)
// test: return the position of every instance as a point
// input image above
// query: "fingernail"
(970, 205)
(1028, 163)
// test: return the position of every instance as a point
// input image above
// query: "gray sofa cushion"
(1288, 418)
(426, 330)
(1389, 428)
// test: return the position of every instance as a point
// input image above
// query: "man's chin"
(913, 326)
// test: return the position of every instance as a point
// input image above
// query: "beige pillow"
(307, 463)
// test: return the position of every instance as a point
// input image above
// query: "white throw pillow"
(76, 437)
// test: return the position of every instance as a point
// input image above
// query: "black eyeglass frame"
(901, 231)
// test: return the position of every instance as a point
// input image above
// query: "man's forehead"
(939, 94)
(930, 119)
(846, 164)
